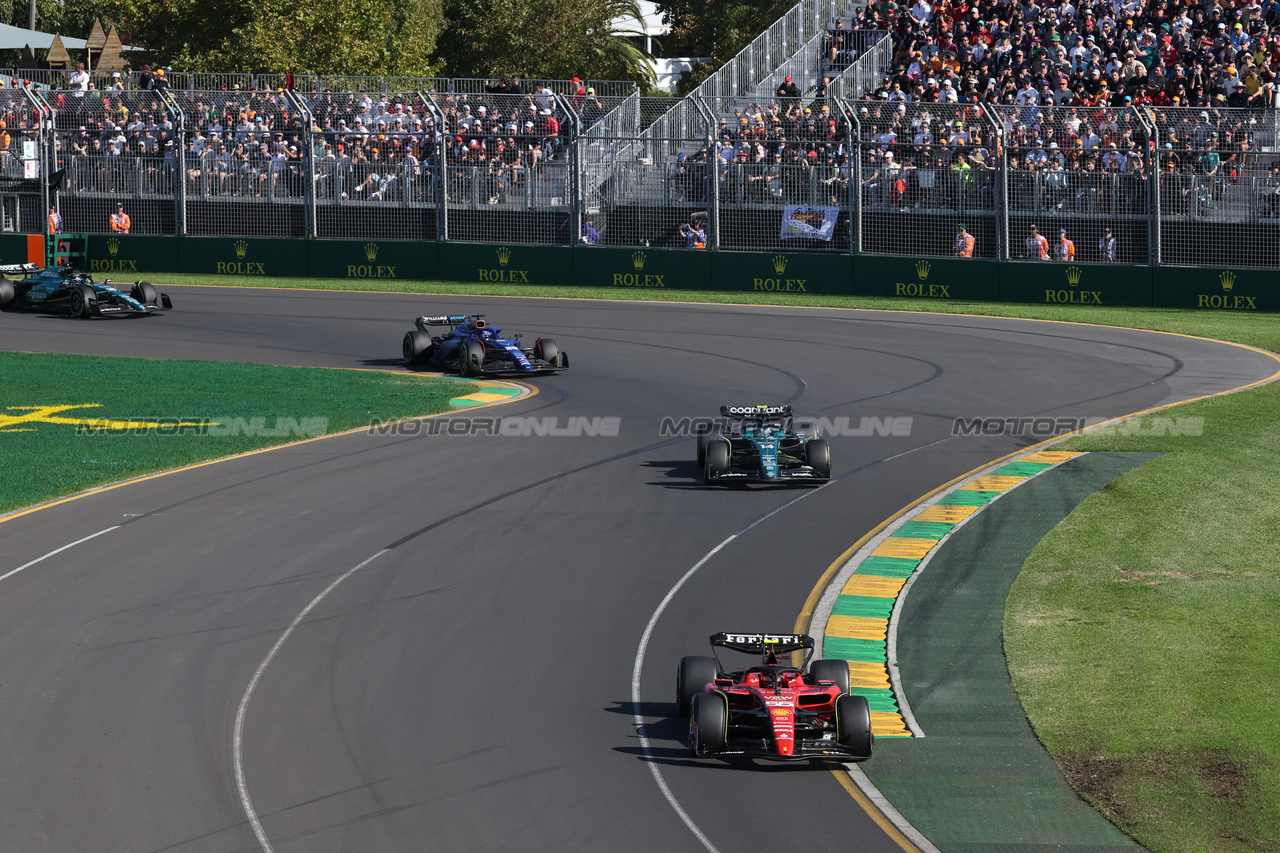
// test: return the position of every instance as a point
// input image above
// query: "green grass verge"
(1142, 633)
(42, 459)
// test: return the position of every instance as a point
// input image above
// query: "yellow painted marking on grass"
(857, 627)
(1050, 457)
(484, 397)
(873, 586)
(49, 415)
(946, 513)
(913, 549)
(993, 483)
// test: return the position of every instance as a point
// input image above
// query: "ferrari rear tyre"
(853, 724)
(817, 454)
(547, 350)
(144, 292)
(692, 677)
(704, 438)
(6, 292)
(708, 723)
(717, 459)
(81, 302)
(830, 670)
(417, 347)
(471, 358)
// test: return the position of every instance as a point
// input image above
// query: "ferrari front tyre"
(708, 723)
(705, 437)
(717, 459)
(692, 677)
(6, 292)
(853, 724)
(81, 302)
(416, 347)
(144, 293)
(830, 670)
(471, 358)
(817, 454)
(547, 350)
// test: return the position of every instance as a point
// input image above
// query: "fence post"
(1002, 183)
(309, 165)
(440, 182)
(1154, 249)
(573, 182)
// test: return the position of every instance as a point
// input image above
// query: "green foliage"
(715, 28)
(540, 38)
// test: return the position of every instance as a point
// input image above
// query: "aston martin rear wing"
(752, 413)
(761, 643)
(24, 269)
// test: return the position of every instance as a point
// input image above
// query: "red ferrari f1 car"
(772, 710)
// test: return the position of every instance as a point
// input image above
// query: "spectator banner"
(814, 223)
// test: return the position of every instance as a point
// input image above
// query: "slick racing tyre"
(547, 350)
(704, 438)
(853, 724)
(471, 358)
(417, 347)
(830, 670)
(82, 302)
(717, 460)
(817, 454)
(6, 292)
(691, 677)
(708, 723)
(144, 293)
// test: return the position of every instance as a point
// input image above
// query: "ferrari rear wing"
(744, 413)
(761, 643)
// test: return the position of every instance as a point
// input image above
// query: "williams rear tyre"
(830, 670)
(692, 677)
(145, 293)
(82, 302)
(471, 358)
(6, 292)
(817, 455)
(705, 437)
(416, 348)
(708, 723)
(547, 350)
(717, 460)
(853, 725)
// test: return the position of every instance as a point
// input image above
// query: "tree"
(717, 29)
(541, 38)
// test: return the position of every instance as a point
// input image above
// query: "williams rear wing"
(761, 643)
(451, 320)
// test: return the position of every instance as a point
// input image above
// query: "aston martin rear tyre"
(691, 677)
(830, 670)
(6, 292)
(708, 722)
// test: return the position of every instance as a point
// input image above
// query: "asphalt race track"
(192, 679)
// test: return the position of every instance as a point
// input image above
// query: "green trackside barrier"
(504, 264)
(971, 279)
(247, 256)
(782, 272)
(125, 255)
(384, 260)
(627, 269)
(19, 248)
(1057, 283)
(1216, 289)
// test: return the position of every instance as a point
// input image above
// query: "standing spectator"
(120, 221)
(1037, 245)
(694, 237)
(55, 222)
(1064, 249)
(1107, 248)
(79, 80)
(964, 243)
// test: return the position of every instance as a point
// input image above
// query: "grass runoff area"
(69, 423)
(1142, 633)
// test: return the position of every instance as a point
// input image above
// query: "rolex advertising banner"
(814, 223)
(1215, 289)
(647, 269)
(781, 272)
(969, 279)
(486, 263)
(1069, 283)
(122, 255)
(374, 261)
(249, 257)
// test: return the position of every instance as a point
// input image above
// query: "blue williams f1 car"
(756, 444)
(474, 348)
(61, 290)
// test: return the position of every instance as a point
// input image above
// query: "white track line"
(237, 739)
(57, 551)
